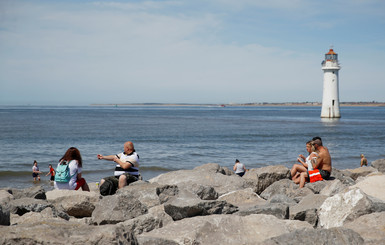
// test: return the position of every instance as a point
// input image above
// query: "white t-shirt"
(74, 170)
(240, 168)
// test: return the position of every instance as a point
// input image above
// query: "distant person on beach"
(51, 172)
(306, 162)
(35, 171)
(364, 161)
(322, 168)
(126, 170)
(73, 160)
(239, 168)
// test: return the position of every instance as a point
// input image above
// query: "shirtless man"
(323, 167)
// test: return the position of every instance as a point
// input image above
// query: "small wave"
(14, 173)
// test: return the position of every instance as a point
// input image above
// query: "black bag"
(109, 187)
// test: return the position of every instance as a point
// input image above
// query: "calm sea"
(170, 138)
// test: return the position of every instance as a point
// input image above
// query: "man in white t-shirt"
(127, 167)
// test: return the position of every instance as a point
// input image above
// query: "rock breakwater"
(206, 205)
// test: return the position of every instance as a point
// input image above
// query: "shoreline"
(288, 104)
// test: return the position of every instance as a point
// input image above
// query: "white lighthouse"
(330, 98)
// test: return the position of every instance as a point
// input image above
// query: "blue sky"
(218, 51)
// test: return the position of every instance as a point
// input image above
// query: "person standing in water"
(51, 172)
(35, 171)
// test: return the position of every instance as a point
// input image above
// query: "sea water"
(169, 138)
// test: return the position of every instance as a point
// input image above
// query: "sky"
(220, 51)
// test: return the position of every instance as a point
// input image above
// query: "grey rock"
(166, 192)
(379, 165)
(117, 208)
(154, 219)
(145, 192)
(202, 191)
(359, 172)
(36, 192)
(316, 187)
(281, 198)
(371, 227)
(222, 229)
(79, 204)
(65, 232)
(320, 236)
(5, 197)
(340, 175)
(178, 209)
(306, 209)
(205, 175)
(344, 207)
(286, 187)
(334, 186)
(264, 177)
(373, 186)
(4, 216)
(279, 210)
(243, 198)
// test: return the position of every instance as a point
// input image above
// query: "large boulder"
(379, 165)
(117, 208)
(4, 216)
(341, 175)
(31, 217)
(286, 187)
(373, 186)
(75, 203)
(334, 186)
(187, 204)
(371, 227)
(279, 210)
(36, 192)
(222, 229)
(206, 175)
(243, 198)
(359, 172)
(154, 219)
(345, 207)
(265, 176)
(319, 236)
(145, 192)
(65, 232)
(5, 197)
(306, 209)
(24, 205)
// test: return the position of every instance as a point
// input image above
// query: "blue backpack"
(63, 172)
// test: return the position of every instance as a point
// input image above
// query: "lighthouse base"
(330, 112)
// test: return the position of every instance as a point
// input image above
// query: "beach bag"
(315, 175)
(109, 187)
(63, 172)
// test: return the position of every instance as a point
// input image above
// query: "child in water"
(51, 172)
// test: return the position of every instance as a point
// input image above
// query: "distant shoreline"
(342, 104)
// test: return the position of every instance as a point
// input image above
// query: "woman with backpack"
(69, 172)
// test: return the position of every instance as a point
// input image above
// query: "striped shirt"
(132, 158)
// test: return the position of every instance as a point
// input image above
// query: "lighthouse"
(330, 98)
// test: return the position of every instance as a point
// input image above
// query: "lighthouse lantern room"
(330, 98)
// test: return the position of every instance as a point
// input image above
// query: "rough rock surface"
(206, 205)
(249, 229)
(379, 165)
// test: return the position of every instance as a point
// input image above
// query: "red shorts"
(80, 183)
(315, 175)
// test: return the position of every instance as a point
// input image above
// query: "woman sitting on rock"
(304, 166)
(69, 172)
